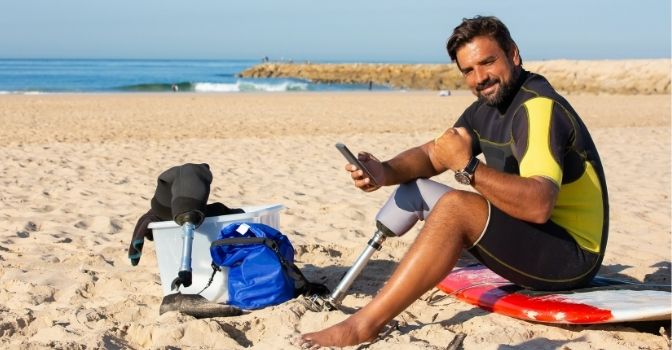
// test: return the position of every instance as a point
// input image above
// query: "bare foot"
(346, 333)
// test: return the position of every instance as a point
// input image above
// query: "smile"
(489, 89)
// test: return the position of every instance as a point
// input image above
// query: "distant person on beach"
(175, 88)
(539, 216)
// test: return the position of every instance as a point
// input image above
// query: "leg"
(456, 222)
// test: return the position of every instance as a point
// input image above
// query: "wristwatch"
(466, 175)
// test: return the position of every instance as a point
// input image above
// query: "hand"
(361, 180)
(453, 148)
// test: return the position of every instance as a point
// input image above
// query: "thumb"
(364, 156)
(463, 133)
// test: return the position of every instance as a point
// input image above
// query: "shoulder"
(537, 95)
(536, 87)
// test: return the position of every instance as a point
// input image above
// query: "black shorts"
(534, 256)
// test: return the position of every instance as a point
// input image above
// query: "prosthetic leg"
(189, 222)
(333, 301)
(409, 203)
(182, 194)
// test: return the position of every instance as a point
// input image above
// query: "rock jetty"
(600, 76)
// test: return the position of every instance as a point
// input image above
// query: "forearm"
(528, 199)
(408, 165)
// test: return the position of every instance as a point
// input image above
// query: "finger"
(357, 175)
(350, 167)
(442, 134)
(366, 185)
(463, 133)
(362, 183)
(370, 188)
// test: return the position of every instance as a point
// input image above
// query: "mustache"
(486, 84)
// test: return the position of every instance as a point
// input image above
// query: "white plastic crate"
(168, 245)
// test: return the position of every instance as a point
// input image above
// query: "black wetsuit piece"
(535, 132)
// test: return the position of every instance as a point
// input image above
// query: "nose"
(480, 74)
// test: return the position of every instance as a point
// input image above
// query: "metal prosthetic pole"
(189, 221)
(333, 301)
(185, 266)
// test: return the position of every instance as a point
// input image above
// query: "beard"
(494, 99)
(504, 90)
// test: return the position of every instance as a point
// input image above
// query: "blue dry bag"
(261, 264)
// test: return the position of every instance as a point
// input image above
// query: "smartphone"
(354, 161)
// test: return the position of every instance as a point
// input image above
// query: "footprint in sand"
(83, 225)
(101, 224)
(28, 228)
(356, 215)
(31, 226)
(44, 209)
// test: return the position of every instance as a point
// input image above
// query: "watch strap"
(471, 166)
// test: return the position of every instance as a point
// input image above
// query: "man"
(540, 214)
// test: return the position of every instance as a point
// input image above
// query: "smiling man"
(539, 216)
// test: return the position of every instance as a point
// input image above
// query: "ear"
(515, 55)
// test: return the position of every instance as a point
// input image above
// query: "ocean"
(34, 76)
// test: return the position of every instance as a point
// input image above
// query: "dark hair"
(479, 26)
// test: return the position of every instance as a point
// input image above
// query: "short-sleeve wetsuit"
(535, 132)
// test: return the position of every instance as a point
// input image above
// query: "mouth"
(488, 88)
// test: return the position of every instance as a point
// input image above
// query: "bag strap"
(301, 284)
(241, 241)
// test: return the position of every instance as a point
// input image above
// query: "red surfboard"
(479, 286)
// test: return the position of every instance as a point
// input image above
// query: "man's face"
(487, 69)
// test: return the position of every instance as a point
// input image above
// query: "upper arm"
(542, 134)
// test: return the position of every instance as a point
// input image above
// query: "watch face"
(463, 178)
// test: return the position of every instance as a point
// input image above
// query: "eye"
(490, 61)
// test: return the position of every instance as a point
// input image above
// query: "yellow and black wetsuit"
(535, 132)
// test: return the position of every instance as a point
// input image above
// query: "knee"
(466, 213)
(454, 200)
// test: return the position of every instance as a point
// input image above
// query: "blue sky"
(342, 30)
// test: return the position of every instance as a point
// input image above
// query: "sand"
(79, 170)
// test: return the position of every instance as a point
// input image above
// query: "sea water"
(25, 76)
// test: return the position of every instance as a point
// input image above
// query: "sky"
(340, 30)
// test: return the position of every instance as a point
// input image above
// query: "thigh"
(543, 257)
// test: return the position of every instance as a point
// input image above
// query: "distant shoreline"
(636, 77)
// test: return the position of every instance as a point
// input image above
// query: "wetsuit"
(534, 132)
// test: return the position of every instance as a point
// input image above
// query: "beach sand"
(79, 170)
